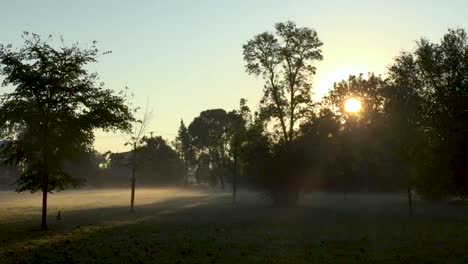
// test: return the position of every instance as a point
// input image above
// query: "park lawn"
(196, 226)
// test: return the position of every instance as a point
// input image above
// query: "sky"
(183, 57)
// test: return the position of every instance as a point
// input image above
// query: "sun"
(352, 105)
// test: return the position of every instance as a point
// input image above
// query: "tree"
(285, 60)
(429, 95)
(135, 141)
(159, 163)
(183, 146)
(362, 141)
(321, 137)
(209, 133)
(369, 91)
(256, 153)
(238, 119)
(53, 110)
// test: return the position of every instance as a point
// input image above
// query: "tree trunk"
(280, 110)
(234, 180)
(186, 174)
(132, 199)
(410, 199)
(45, 179)
(221, 180)
(344, 186)
(45, 183)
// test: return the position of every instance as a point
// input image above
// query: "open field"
(180, 226)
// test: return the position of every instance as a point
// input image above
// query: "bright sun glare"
(352, 105)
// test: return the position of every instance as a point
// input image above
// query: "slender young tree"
(135, 141)
(53, 111)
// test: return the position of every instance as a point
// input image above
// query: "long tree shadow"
(78, 223)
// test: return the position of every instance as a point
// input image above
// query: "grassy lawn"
(177, 226)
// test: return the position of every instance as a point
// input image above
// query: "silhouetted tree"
(53, 110)
(285, 60)
(185, 149)
(209, 132)
(362, 143)
(256, 153)
(237, 121)
(428, 104)
(135, 141)
(159, 163)
(321, 136)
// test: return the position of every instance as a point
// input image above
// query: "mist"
(373, 171)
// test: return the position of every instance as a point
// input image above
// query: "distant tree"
(209, 133)
(184, 147)
(285, 60)
(53, 110)
(159, 163)
(87, 166)
(203, 171)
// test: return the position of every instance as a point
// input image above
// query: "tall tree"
(54, 108)
(183, 146)
(286, 61)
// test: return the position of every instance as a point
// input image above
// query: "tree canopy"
(54, 109)
(285, 60)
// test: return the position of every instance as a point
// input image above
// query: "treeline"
(410, 133)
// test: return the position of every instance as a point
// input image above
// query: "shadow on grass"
(209, 229)
(24, 233)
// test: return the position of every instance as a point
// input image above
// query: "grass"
(195, 226)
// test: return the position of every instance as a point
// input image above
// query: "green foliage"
(53, 110)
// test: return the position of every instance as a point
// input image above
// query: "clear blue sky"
(186, 56)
